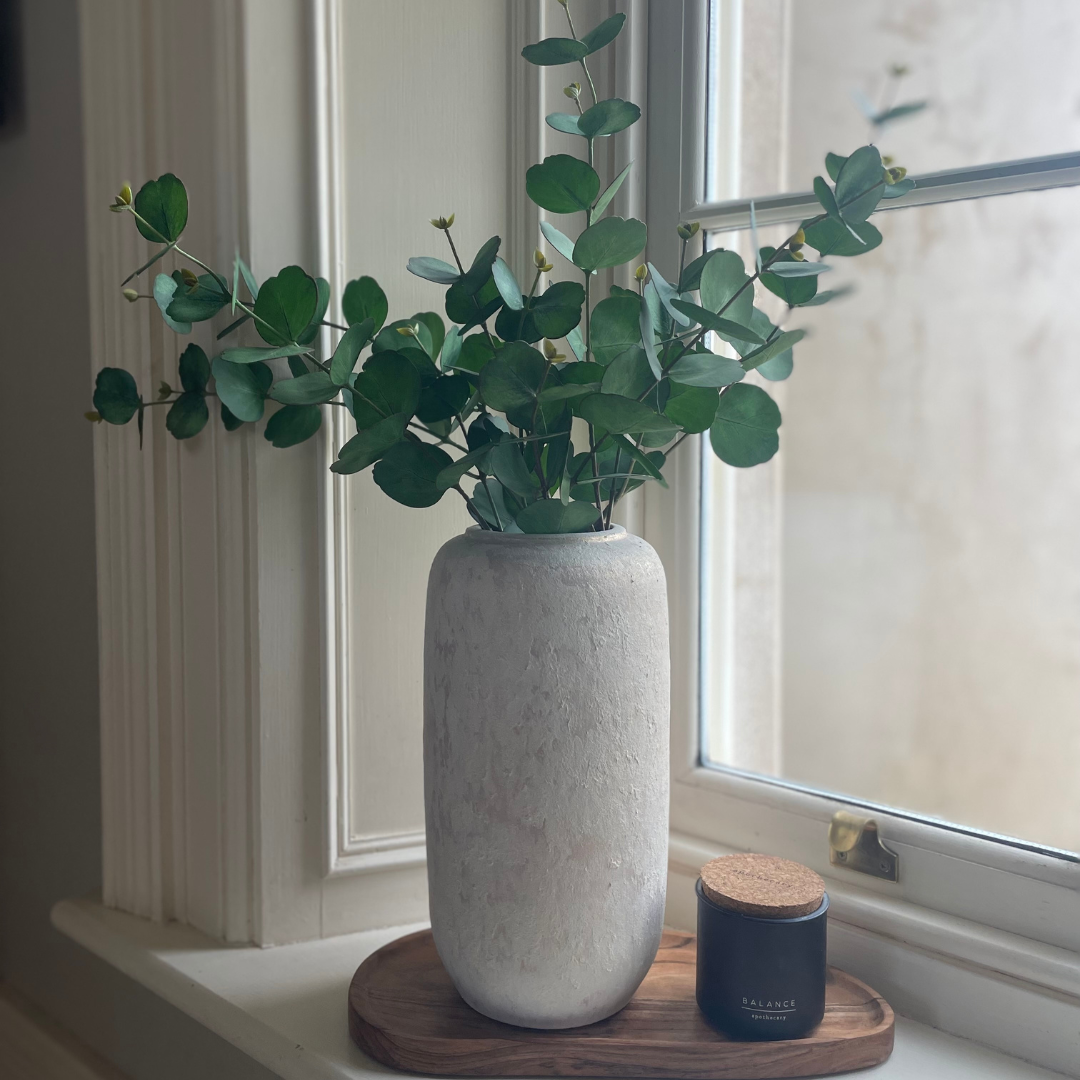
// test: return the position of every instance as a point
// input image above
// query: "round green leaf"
(744, 432)
(557, 310)
(474, 278)
(311, 331)
(364, 299)
(832, 237)
(555, 51)
(433, 270)
(607, 117)
(706, 369)
(194, 369)
(165, 288)
(629, 374)
(619, 414)
(228, 419)
(610, 242)
(242, 388)
(693, 408)
(348, 350)
(724, 281)
(311, 389)
(780, 343)
(285, 306)
(116, 396)
(602, 33)
(367, 446)
(471, 310)
(860, 184)
(615, 327)
(507, 285)
(511, 380)
(565, 122)
(779, 367)
(388, 384)
(551, 516)
(793, 291)
(187, 416)
(508, 464)
(163, 204)
(443, 399)
(198, 304)
(409, 471)
(293, 424)
(563, 185)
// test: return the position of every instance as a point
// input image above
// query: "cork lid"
(763, 886)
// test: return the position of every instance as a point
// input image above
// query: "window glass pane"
(927, 502)
(1000, 81)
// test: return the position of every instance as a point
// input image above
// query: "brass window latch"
(854, 843)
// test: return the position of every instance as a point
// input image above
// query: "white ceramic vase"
(546, 698)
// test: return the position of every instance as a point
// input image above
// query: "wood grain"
(405, 1013)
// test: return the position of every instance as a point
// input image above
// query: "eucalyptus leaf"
(229, 421)
(619, 415)
(256, 353)
(433, 269)
(492, 504)
(609, 193)
(241, 387)
(608, 117)
(827, 295)
(576, 343)
(198, 304)
(833, 164)
(452, 474)
(285, 306)
(795, 269)
(388, 384)
(508, 465)
(901, 187)
(163, 206)
(557, 310)
(562, 184)
(690, 278)
(667, 294)
(558, 240)
(648, 339)
(615, 327)
(507, 285)
(187, 416)
(444, 399)
(314, 327)
(725, 327)
(548, 516)
(705, 369)
(511, 380)
(629, 374)
(725, 287)
(832, 237)
(116, 396)
(860, 184)
(611, 241)
(898, 112)
(311, 389)
(436, 330)
(362, 299)
(603, 33)
(165, 288)
(348, 350)
(408, 472)
(744, 432)
(553, 51)
(792, 290)
(692, 408)
(564, 122)
(825, 196)
(779, 344)
(641, 458)
(472, 310)
(292, 425)
(368, 445)
(779, 367)
(194, 369)
(473, 280)
(451, 350)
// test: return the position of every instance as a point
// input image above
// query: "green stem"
(584, 66)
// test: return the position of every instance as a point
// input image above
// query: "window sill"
(285, 1006)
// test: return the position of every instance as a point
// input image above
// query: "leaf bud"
(123, 198)
(641, 273)
(895, 174)
(408, 331)
(799, 237)
(573, 90)
(130, 295)
(190, 280)
(93, 417)
(798, 256)
(443, 223)
(687, 229)
(552, 353)
(164, 390)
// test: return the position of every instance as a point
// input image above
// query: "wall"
(49, 782)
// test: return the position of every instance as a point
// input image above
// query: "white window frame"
(989, 903)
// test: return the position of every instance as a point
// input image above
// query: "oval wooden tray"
(405, 1012)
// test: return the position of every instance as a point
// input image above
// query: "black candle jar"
(760, 978)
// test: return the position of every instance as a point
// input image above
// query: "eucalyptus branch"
(584, 65)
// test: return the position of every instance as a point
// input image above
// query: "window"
(888, 614)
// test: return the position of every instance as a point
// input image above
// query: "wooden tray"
(405, 1012)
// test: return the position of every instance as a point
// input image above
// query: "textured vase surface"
(546, 698)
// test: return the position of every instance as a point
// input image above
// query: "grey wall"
(49, 776)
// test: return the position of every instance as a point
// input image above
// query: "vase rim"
(614, 532)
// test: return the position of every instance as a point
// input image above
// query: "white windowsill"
(285, 1006)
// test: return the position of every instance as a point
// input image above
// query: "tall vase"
(546, 697)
